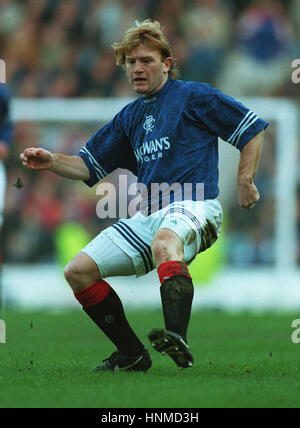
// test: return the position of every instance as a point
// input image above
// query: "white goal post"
(282, 111)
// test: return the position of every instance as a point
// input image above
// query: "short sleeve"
(224, 116)
(108, 149)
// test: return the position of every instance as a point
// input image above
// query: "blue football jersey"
(5, 124)
(172, 136)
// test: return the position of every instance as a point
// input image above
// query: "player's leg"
(192, 228)
(102, 304)
(176, 284)
(176, 296)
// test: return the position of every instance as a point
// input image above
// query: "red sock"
(93, 294)
(173, 268)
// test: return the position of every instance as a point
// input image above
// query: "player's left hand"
(248, 195)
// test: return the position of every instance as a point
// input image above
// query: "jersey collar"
(153, 97)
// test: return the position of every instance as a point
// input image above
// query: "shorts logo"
(149, 124)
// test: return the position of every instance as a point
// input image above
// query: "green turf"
(240, 361)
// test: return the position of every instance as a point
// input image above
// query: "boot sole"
(170, 343)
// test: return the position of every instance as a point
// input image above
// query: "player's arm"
(38, 159)
(248, 194)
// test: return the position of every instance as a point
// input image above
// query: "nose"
(138, 67)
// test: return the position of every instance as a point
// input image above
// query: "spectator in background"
(295, 16)
(255, 247)
(169, 12)
(260, 63)
(103, 75)
(290, 89)
(59, 48)
(207, 27)
(5, 138)
(71, 38)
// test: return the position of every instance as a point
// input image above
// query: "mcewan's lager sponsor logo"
(152, 150)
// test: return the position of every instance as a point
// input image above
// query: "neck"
(158, 87)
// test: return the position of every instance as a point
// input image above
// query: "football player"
(169, 134)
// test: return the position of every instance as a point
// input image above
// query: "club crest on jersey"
(149, 124)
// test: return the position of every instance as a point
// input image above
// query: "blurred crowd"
(56, 48)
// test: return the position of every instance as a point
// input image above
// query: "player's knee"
(160, 252)
(166, 246)
(164, 251)
(72, 273)
(77, 279)
(80, 273)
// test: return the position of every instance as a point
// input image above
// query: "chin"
(141, 91)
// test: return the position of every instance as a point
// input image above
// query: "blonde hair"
(148, 33)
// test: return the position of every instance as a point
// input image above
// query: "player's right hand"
(36, 159)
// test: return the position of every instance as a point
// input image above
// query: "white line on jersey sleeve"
(247, 121)
(100, 172)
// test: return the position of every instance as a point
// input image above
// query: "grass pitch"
(242, 360)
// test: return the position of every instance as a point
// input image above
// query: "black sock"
(177, 295)
(110, 317)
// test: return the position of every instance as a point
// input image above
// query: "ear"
(167, 64)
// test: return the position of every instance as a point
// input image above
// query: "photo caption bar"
(144, 416)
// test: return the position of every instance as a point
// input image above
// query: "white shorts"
(125, 247)
(2, 190)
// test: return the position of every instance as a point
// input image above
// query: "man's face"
(145, 69)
